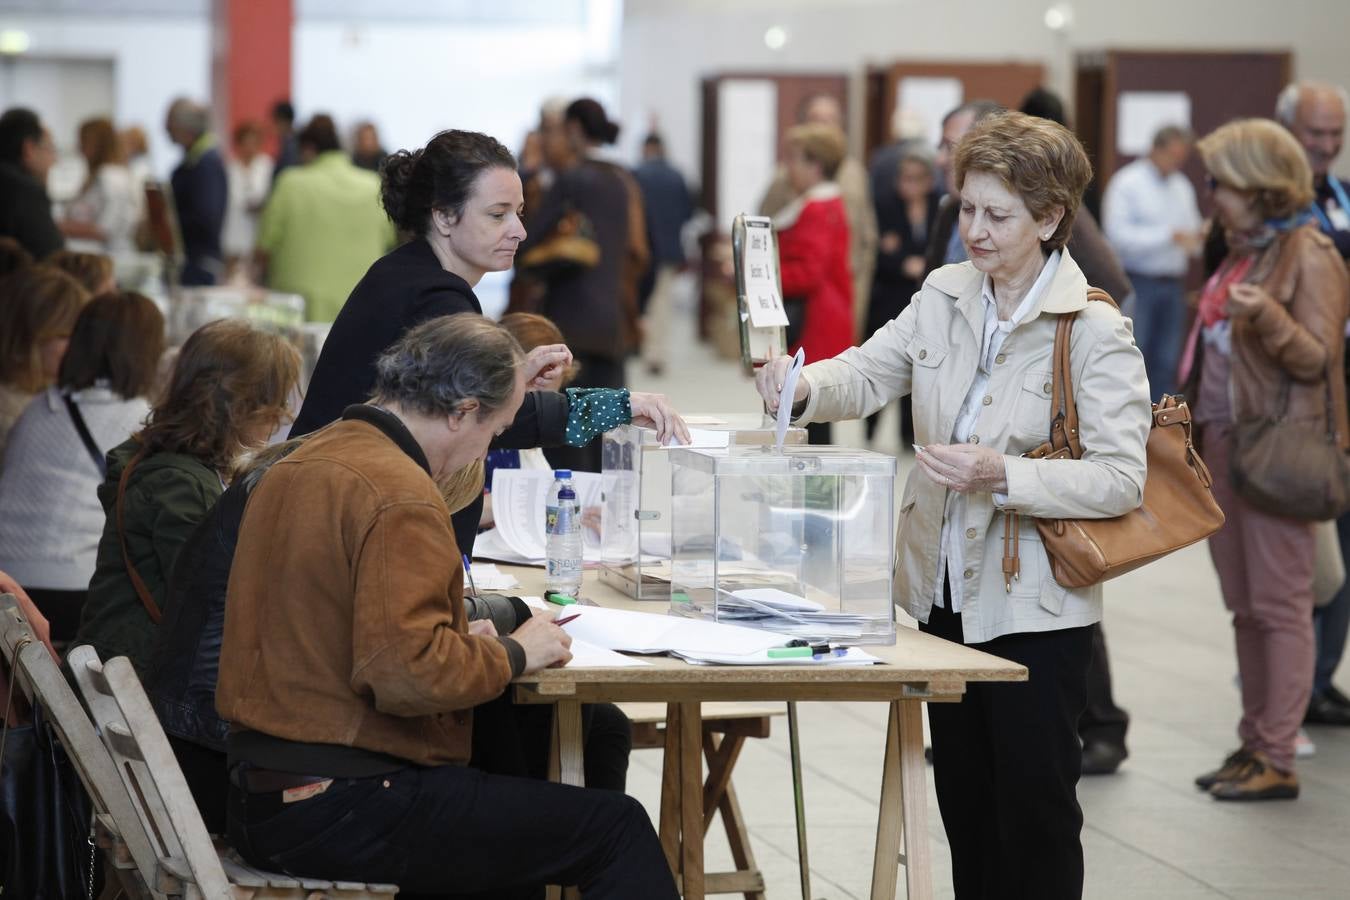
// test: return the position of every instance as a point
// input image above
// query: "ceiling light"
(14, 41)
(776, 37)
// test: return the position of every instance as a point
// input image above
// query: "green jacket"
(167, 495)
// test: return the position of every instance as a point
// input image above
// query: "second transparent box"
(799, 541)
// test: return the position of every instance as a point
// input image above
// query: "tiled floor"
(1149, 835)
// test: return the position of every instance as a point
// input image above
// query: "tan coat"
(856, 190)
(1299, 337)
(344, 622)
(931, 351)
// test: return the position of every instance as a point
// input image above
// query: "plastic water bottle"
(562, 525)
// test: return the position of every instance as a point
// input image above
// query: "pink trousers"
(1265, 566)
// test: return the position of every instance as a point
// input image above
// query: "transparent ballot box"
(635, 485)
(800, 541)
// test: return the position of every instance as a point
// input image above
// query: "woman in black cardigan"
(460, 200)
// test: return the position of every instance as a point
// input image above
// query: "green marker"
(790, 652)
(560, 599)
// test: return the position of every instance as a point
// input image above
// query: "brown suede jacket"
(344, 623)
(1299, 339)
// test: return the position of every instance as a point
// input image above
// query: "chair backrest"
(150, 771)
(37, 674)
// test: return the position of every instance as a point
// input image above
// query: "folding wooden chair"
(117, 830)
(189, 865)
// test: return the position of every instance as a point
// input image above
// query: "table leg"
(669, 826)
(890, 816)
(798, 801)
(691, 799)
(914, 799)
(567, 725)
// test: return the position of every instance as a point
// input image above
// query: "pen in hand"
(468, 572)
(565, 619)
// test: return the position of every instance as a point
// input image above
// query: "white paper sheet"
(785, 400)
(704, 438)
(588, 656)
(760, 265)
(487, 577)
(853, 657)
(1139, 115)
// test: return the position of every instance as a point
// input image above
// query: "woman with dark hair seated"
(55, 458)
(460, 200)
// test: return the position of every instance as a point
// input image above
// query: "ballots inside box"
(635, 485)
(800, 542)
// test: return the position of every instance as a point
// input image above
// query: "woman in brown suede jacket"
(1267, 336)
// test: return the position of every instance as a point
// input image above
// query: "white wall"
(668, 46)
(155, 59)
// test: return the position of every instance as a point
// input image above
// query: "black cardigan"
(403, 288)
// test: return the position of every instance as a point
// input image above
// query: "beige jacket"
(931, 351)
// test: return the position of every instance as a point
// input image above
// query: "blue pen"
(833, 651)
(468, 571)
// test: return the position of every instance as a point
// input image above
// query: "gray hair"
(1169, 134)
(916, 151)
(189, 115)
(445, 361)
(1286, 107)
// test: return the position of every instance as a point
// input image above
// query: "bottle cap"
(562, 473)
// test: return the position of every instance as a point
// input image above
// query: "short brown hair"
(118, 338)
(824, 145)
(533, 330)
(229, 378)
(1260, 157)
(1038, 159)
(93, 270)
(36, 304)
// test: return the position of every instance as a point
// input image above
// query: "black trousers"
(62, 609)
(1006, 762)
(594, 372)
(514, 739)
(819, 432)
(454, 831)
(208, 778)
(1102, 721)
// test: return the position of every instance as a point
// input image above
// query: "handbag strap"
(1063, 427)
(83, 430)
(151, 607)
(1064, 424)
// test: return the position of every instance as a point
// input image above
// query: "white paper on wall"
(762, 299)
(747, 151)
(1139, 115)
(927, 100)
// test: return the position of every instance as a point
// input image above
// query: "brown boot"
(1231, 767)
(1258, 780)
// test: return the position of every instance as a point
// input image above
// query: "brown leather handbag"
(1178, 508)
(142, 591)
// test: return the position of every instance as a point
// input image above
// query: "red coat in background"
(813, 259)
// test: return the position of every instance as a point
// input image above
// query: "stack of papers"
(488, 578)
(518, 500)
(692, 640)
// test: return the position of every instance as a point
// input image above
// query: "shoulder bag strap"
(83, 430)
(1064, 426)
(151, 607)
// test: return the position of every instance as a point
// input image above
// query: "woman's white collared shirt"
(996, 331)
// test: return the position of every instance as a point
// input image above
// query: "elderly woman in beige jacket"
(974, 351)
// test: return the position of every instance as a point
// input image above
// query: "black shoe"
(1324, 710)
(1334, 694)
(1102, 758)
(928, 755)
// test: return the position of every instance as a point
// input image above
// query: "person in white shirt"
(103, 217)
(250, 179)
(53, 467)
(1151, 218)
